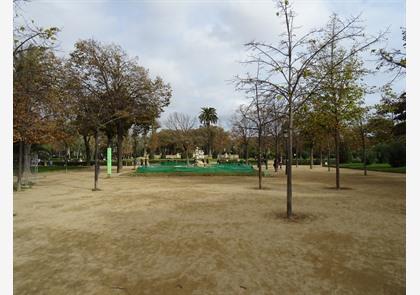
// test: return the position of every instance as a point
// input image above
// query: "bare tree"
(287, 65)
(242, 129)
(182, 125)
(257, 112)
(275, 128)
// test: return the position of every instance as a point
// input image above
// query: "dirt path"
(210, 235)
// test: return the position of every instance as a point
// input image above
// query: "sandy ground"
(210, 235)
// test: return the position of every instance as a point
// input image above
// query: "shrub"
(345, 153)
(397, 154)
(370, 157)
(382, 152)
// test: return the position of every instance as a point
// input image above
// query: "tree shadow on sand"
(344, 188)
(299, 217)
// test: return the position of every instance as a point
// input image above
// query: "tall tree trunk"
(364, 155)
(86, 140)
(266, 159)
(246, 154)
(209, 143)
(281, 159)
(259, 159)
(321, 158)
(286, 156)
(26, 163)
(145, 148)
(337, 159)
(66, 159)
(188, 157)
(329, 157)
(276, 161)
(289, 161)
(120, 138)
(95, 187)
(135, 144)
(20, 166)
(135, 154)
(311, 164)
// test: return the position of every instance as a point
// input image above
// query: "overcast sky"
(196, 46)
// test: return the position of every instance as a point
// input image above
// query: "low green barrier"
(208, 170)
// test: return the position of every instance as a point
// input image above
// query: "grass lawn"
(375, 167)
(59, 168)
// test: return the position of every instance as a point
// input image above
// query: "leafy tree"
(341, 94)
(312, 125)
(394, 107)
(35, 89)
(166, 142)
(34, 86)
(361, 123)
(380, 129)
(106, 75)
(397, 154)
(89, 85)
(222, 141)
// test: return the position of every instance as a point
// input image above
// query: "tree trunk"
(135, 144)
(337, 159)
(209, 152)
(329, 157)
(86, 140)
(26, 164)
(311, 164)
(246, 154)
(289, 162)
(66, 160)
(20, 166)
(276, 157)
(281, 160)
(266, 159)
(120, 138)
(95, 187)
(321, 159)
(364, 155)
(259, 160)
(145, 148)
(188, 158)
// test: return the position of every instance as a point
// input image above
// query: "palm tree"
(207, 117)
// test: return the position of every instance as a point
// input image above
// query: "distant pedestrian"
(276, 164)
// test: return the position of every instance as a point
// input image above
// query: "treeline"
(307, 89)
(96, 91)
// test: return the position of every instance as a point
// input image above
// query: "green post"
(109, 161)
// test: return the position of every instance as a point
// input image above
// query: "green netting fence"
(219, 169)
